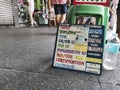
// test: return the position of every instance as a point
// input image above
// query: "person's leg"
(54, 23)
(63, 18)
(57, 10)
(49, 22)
(34, 20)
(63, 13)
(58, 18)
(31, 18)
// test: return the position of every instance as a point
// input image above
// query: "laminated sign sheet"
(79, 48)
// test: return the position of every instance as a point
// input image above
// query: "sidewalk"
(25, 64)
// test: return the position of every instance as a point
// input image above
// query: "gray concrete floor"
(25, 64)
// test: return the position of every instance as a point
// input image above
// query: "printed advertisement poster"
(79, 48)
(99, 2)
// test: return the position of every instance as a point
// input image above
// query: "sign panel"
(99, 2)
(79, 48)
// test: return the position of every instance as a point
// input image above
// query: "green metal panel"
(37, 4)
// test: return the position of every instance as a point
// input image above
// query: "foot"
(32, 25)
(35, 24)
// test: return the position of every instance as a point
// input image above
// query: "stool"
(101, 13)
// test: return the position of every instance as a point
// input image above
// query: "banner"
(98, 2)
(79, 48)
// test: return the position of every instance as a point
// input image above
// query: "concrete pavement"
(25, 64)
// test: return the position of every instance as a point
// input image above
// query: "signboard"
(79, 48)
(99, 2)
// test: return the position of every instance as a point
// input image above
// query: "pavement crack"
(118, 84)
(17, 70)
(99, 83)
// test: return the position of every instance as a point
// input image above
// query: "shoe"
(31, 26)
(35, 24)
